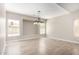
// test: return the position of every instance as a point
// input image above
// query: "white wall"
(62, 27)
(2, 28)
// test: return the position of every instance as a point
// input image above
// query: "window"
(42, 28)
(13, 27)
(76, 28)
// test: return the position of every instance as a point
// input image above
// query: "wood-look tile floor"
(41, 46)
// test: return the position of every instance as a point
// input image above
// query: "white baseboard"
(29, 37)
(70, 41)
(38, 36)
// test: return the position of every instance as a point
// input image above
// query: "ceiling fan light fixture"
(38, 20)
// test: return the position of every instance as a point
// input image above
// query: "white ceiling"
(48, 10)
(69, 6)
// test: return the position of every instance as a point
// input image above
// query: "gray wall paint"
(2, 28)
(62, 26)
(29, 28)
(21, 18)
